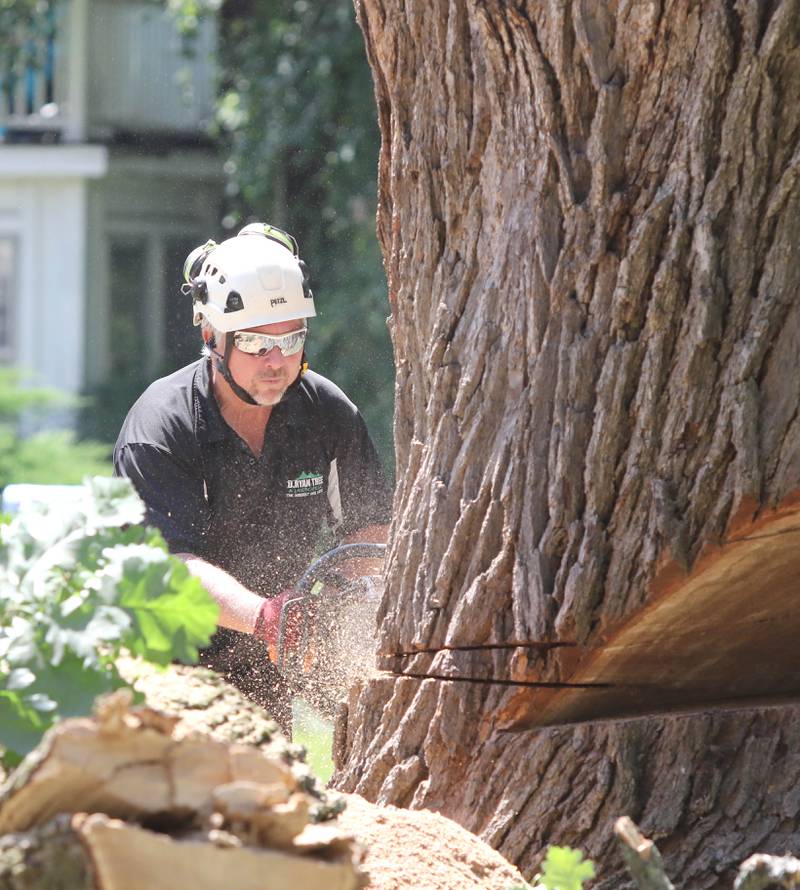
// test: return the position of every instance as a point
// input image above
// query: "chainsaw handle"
(306, 582)
(332, 557)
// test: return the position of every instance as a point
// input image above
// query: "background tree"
(50, 455)
(589, 217)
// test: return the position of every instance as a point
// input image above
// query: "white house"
(107, 180)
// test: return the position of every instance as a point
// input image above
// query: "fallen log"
(151, 809)
(135, 798)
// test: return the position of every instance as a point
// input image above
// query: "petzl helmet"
(253, 279)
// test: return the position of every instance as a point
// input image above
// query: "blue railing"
(133, 73)
(28, 87)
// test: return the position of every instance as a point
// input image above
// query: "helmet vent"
(222, 279)
(200, 292)
(234, 302)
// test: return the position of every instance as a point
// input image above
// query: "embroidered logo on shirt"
(307, 483)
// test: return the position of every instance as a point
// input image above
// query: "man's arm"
(238, 607)
(173, 493)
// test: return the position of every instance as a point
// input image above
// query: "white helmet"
(252, 279)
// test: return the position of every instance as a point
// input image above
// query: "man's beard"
(268, 399)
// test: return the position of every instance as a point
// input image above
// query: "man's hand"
(267, 627)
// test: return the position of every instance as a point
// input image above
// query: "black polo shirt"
(258, 518)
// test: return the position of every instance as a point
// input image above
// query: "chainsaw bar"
(337, 633)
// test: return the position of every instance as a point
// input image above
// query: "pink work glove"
(268, 622)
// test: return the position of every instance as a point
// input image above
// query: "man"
(242, 457)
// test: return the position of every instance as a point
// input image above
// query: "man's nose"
(273, 356)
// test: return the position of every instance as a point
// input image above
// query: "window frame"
(9, 296)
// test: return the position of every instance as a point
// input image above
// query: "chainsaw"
(332, 639)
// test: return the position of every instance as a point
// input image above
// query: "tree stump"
(710, 787)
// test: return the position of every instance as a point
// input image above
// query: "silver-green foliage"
(77, 587)
(25, 26)
(50, 456)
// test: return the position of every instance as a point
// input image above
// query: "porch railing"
(33, 94)
(100, 67)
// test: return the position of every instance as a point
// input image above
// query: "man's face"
(267, 377)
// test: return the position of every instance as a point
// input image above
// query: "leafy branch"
(563, 869)
(76, 588)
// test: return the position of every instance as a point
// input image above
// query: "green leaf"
(172, 613)
(76, 587)
(74, 686)
(19, 678)
(21, 726)
(565, 869)
(19, 643)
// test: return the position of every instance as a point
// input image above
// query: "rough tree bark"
(589, 214)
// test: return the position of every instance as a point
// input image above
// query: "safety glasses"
(260, 344)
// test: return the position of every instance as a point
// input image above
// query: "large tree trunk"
(709, 787)
(589, 213)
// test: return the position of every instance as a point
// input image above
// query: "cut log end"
(627, 832)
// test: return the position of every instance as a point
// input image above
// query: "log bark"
(761, 871)
(589, 217)
(51, 858)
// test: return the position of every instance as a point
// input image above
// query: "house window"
(128, 259)
(8, 293)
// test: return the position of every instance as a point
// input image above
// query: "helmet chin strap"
(222, 365)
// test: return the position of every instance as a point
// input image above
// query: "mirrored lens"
(260, 344)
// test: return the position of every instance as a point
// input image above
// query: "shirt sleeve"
(358, 481)
(173, 493)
